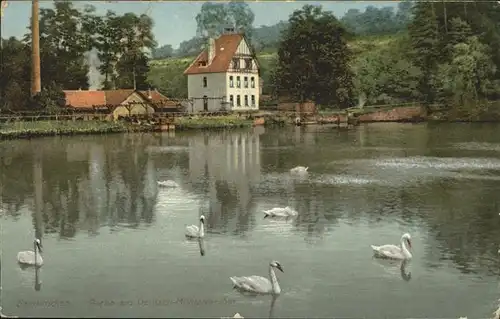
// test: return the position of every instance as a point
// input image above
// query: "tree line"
(373, 21)
(70, 42)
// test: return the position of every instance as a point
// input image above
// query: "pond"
(114, 245)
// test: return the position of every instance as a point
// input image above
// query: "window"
(248, 64)
(253, 100)
(236, 63)
(238, 100)
(246, 100)
(252, 82)
(231, 83)
(238, 83)
(204, 81)
(231, 100)
(202, 63)
(205, 103)
(245, 82)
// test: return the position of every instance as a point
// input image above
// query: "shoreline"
(30, 130)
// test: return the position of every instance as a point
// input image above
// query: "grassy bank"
(215, 122)
(52, 128)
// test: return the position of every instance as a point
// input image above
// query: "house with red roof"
(225, 75)
(121, 103)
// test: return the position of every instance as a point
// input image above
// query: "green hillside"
(167, 74)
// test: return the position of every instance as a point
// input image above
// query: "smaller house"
(121, 103)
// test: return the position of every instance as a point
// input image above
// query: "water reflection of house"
(230, 163)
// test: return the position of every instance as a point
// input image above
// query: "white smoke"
(95, 77)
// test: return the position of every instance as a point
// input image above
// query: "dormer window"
(236, 63)
(202, 63)
(248, 64)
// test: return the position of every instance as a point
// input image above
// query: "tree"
(108, 46)
(467, 78)
(387, 75)
(51, 99)
(15, 74)
(213, 17)
(374, 21)
(426, 53)
(313, 59)
(63, 43)
(121, 43)
(165, 51)
(136, 36)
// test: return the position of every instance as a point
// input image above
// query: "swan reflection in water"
(391, 267)
(271, 309)
(201, 244)
(26, 270)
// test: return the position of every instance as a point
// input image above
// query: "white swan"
(193, 231)
(496, 314)
(236, 315)
(167, 183)
(280, 212)
(393, 251)
(32, 257)
(258, 284)
(5, 316)
(299, 170)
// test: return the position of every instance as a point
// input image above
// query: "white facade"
(238, 86)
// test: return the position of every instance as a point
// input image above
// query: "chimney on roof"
(211, 50)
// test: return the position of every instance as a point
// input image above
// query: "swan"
(258, 284)
(193, 231)
(280, 212)
(393, 251)
(5, 316)
(299, 170)
(236, 315)
(496, 314)
(167, 183)
(31, 258)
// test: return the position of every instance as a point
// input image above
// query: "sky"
(175, 20)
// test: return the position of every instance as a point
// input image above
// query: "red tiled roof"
(225, 48)
(85, 99)
(89, 99)
(116, 97)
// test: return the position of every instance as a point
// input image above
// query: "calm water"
(114, 242)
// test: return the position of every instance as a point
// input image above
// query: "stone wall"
(307, 107)
(398, 114)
